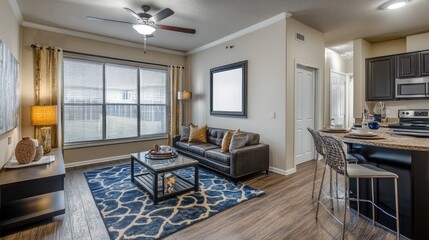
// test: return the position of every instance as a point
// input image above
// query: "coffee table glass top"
(158, 165)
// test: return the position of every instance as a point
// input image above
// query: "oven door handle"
(427, 89)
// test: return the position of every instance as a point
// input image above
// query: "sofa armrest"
(250, 159)
(175, 139)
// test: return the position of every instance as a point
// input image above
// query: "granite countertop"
(391, 141)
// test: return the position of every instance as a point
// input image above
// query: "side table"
(32, 194)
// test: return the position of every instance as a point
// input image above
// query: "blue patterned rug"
(128, 211)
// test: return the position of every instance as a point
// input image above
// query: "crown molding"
(98, 38)
(15, 8)
(242, 32)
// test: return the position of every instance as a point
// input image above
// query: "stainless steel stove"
(412, 122)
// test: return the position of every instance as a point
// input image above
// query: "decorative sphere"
(374, 125)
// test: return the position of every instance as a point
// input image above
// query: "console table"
(32, 194)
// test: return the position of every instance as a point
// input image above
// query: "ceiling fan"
(146, 24)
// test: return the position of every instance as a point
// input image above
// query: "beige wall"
(361, 51)
(265, 51)
(10, 35)
(310, 53)
(418, 42)
(78, 44)
(389, 47)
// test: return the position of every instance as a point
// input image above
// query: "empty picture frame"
(228, 90)
(9, 90)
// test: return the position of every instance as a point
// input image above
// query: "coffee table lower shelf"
(181, 185)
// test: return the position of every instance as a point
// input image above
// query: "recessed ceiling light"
(393, 4)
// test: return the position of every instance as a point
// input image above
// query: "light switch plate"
(273, 115)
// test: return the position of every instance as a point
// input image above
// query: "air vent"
(300, 37)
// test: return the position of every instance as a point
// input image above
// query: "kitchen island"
(406, 156)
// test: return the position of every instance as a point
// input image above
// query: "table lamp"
(184, 95)
(44, 116)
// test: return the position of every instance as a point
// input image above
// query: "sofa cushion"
(226, 141)
(237, 141)
(198, 134)
(182, 145)
(252, 139)
(201, 148)
(184, 133)
(218, 156)
(215, 136)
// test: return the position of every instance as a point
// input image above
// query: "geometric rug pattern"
(128, 211)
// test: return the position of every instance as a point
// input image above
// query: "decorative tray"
(154, 155)
(13, 163)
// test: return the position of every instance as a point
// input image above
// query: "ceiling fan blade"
(107, 20)
(132, 13)
(162, 15)
(177, 29)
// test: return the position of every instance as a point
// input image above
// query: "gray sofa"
(252, 158)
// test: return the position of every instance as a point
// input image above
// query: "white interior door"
(338, 98)
(304, 113)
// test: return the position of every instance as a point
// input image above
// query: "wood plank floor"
(286, 211)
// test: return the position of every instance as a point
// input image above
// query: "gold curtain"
(47, 63)
(173, 112)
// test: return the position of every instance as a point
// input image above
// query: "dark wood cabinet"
(380, 78)
(31, 194)
(406, 65)
(424, 63)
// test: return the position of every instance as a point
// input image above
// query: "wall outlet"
(273, 115)
(9, 140)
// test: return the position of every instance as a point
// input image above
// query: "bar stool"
(318, 143)
(335, 158)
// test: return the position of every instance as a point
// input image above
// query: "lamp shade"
(44, 115)
(184, 95)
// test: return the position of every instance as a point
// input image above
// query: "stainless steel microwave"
(412, 87)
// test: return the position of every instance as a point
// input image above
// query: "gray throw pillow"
(184, 133)
(237, 141)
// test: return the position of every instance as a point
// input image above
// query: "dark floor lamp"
(183, 96)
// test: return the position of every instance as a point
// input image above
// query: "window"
(106, 100)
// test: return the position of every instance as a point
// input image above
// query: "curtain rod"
(112, 58)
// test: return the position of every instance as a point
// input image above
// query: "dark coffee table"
(152, 180)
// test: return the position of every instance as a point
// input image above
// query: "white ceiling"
(340, 20)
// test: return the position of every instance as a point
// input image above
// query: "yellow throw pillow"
(226, 141)
(198, 134)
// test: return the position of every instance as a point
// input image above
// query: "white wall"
(10, 35)
(265, 50)
(310, 53)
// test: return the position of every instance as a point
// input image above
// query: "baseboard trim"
(283, 172)
(94, 161)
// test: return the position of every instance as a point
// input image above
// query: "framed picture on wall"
(9, 90)
(228, 90)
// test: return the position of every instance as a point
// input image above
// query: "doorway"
(341, 99)
(305, 82)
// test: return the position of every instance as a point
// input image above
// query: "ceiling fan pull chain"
(144, 43)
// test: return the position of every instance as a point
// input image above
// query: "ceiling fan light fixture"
(144, 29)
(393, 4)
